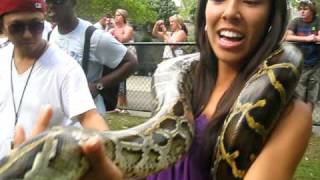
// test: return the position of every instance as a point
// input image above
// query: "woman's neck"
(225, 77)
(120, 24)
(175, 30)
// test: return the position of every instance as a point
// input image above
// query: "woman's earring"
(270, 27)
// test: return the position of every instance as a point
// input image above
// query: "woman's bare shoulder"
(295, 122)
(298, 113)
(128, 27)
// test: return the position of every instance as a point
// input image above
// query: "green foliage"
(188, 12)
(142, 13)
(146, 38)
(164, 8)
(139, 11)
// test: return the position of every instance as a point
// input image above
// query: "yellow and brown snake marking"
(255, 113)
(167, 135)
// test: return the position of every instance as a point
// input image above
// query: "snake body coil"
(255, 112)
(165, 137)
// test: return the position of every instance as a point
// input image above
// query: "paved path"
(316, 130)
(316, 118)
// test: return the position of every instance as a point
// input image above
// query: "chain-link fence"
(149, 55)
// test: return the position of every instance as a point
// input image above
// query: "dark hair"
(206, 70)
(184, 28)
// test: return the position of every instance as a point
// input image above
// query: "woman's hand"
(159, 29)
(160, 22)
(101, 167)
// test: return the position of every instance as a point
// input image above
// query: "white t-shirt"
(56, 80)
(104, 50)
(3, 42)
(46, 30)
(98, 26)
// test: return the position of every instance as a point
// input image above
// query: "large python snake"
(167, 135)
(255, 112)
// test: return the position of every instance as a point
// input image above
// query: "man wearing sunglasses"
(69, 35)
(34, 74)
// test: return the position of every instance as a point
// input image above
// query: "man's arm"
(93, 120)
(291, 36)
(318, 37)
(124, 70)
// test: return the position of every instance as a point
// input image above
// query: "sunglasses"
(55, 2)
(18, 28)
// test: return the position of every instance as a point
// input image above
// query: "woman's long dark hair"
(206, 70)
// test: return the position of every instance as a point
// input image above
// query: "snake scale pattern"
(255, 112)
(167, 135)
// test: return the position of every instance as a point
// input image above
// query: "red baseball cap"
(8, 6)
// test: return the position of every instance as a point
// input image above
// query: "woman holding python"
(236, 38)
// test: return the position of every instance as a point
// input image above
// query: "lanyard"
(17, 109)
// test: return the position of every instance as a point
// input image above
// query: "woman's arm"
(286, 146)
(159, 25)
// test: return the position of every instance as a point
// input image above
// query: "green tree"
(163, 8)
(188, 11)
(139, 11)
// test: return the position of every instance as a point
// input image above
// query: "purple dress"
(189, 167)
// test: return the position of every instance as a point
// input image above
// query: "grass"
(308, 169)
(122, 121)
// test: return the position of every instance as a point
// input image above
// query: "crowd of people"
(233, 38)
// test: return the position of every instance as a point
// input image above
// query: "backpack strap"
(86, 48)
(48, 35)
